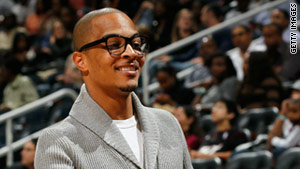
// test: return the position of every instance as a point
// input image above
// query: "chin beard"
(128, 88)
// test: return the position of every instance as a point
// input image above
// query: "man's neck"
(118, 107)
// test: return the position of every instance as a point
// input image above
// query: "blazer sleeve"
(51, 152)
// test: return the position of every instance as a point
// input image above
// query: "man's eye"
(114, 45)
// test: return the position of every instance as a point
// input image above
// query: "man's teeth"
(127, 69)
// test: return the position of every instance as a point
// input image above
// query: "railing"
(9, 116)
(193, 38)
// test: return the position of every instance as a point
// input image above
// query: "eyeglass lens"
(117, 45)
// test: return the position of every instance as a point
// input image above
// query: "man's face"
(241, 38)
(112, 73)
(278, 17)
(207, 48)
(271, 37)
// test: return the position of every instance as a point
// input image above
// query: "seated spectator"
(211, 15)
(182, 28)
(260, 87)
(21, 48)
(201, 75)
(188, 121)
(58, 44)
(285, 64)
(171, 91)
(221, 142)
(224, 82)
(292, 137)
(19, 89)
(35, 19)
(158, 15)
(8, 29)
(282, 125)
(182, 58)
(242, 39)
(282, 18)
(27, 156)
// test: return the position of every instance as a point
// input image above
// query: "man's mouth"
(131, 70)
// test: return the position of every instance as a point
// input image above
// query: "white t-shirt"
(133, 135)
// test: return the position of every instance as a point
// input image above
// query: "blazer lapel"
(87, 112)
(150, 133)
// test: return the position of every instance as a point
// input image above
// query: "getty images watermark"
(293, 28)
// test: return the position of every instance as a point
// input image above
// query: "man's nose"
(129, 52)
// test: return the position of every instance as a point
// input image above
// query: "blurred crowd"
(244, 67)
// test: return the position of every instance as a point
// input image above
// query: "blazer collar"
(87, 112)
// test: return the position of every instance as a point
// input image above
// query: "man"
(282, 18)
(286, 65)
(242, 39)
(108, 127)
(212, 15)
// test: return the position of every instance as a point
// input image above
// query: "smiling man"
(108, 127)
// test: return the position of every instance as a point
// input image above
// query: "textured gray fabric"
(87, 139)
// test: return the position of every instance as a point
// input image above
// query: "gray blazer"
(87, 139)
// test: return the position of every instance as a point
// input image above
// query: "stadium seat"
(250, 160)
(289, 159)
(258, 120)
(214, 163)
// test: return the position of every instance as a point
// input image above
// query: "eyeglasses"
(116, 44)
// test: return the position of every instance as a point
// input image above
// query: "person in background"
(242, 39)
(171, 91)
(223, 84)
(211, 15)
(221, 142)
(261, 87)
(282, 125)
(284, 62)
(186, 116)
(292, 137)
(27, 156)
(282, 18)
(19, 89)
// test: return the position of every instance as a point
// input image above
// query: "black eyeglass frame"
(128, 40)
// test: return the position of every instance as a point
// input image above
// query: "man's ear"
(80, 62)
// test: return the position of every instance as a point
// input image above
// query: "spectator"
(69, 18)
(285, 63)
(182, 28)
(211, 15)
(27, 156)
(242, 39)
(171, 91)
(292, 137)
(282, 125)
(188, 121)
(261, 87)
(224, 82)
(221, 142)
(58, 44)
(159, 17)
(34, 20)
(282, 18)
(19, 89)
(21, 48)
(8, 30)
(201, 76)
